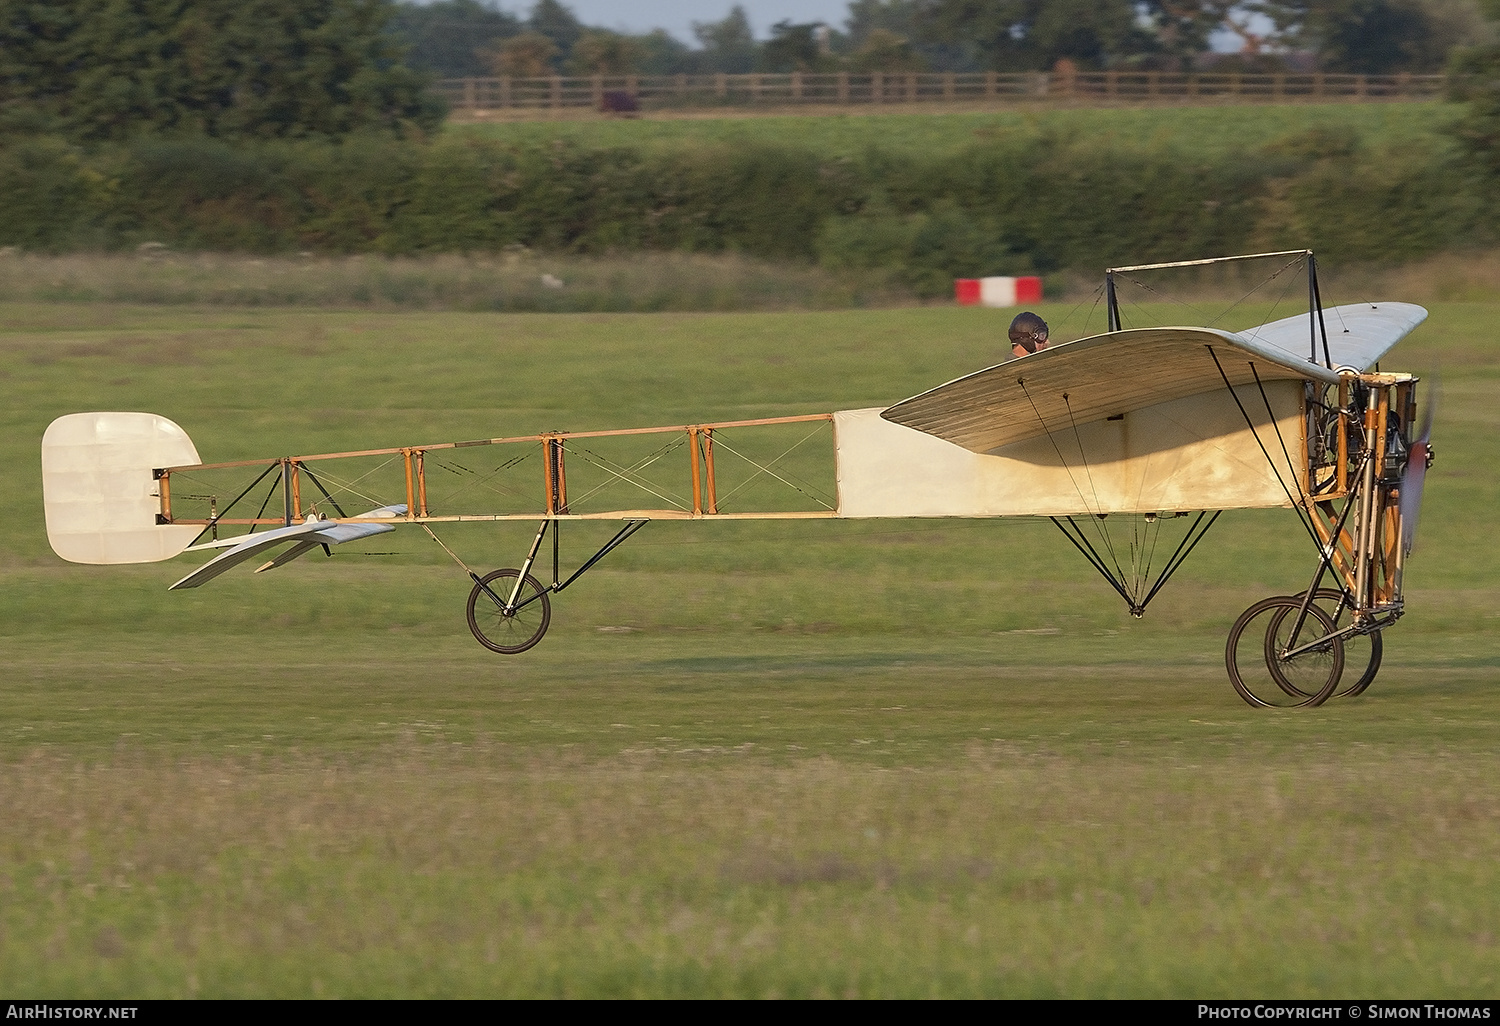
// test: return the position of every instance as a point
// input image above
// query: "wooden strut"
(490, 518)
(697, 476)
(554, 478)
(515, 439)
(411, 503)
(708, 459)
(548, 485)
(421, 484)
(164, 491)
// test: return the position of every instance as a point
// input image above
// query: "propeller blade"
(1425, 435)
(1415, 475)
(1411, 493)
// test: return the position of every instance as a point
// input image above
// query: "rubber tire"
(509, 634)
(1273, 694)
(1329, 600)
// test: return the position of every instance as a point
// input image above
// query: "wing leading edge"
(1358, 334)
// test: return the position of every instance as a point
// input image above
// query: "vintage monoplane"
(1141, 425)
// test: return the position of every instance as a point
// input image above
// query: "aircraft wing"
(307, 537)
(1358, 334)
(1095, 379)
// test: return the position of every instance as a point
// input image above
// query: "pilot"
(1028, 333)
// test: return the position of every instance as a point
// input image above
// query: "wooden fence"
(474, 95)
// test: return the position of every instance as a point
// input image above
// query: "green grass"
(1213, 129)
(764, 759)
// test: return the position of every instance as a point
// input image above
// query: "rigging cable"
(1297, 506)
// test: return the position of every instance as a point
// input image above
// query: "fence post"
(796, 86)
(721, 85)
(505, 94)
(598, 90)
(877, 87)
(556, 99)
(843, 87)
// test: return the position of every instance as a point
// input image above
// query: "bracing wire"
(477, 481)
(631, 475)
(767, 469)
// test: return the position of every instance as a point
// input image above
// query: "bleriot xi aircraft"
(1135, 428)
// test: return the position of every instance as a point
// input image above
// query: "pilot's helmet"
(1028, 331)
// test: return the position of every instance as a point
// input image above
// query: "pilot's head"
(1028, 333)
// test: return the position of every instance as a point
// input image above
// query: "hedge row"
(1004, 206)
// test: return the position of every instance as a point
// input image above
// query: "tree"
(107, 69)
(1181, 28)
(529, 55)
(1016, 35)
(558, 23)
(728, 45)
(897, 17)
(1377, 36)
(452, 38)
(797, 48)
(664, 54)
(599, 52)
(884, 50)
(1477, 68)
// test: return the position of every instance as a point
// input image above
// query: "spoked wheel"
(1261, 669)
(1360, 650)
(518, 630)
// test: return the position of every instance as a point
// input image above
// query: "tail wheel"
(1271, 669)
(1360, 650)
(514, 631)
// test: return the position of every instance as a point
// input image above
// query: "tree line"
(1028, 201)
(462, 38)
(95, 70)
(306, 124)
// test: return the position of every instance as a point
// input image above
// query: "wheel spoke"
(1362, 652)
(523, 625)
(1269, 668)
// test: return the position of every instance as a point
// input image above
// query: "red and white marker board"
(997, 291)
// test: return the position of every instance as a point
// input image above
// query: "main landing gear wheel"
(1360, 650)
(1261, 671)
(523, 627)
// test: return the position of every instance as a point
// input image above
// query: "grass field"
(764, 759)
(1213, 129)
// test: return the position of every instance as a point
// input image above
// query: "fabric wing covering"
(304, 538)
(1105, 376)
(1134, 422)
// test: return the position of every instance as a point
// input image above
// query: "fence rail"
(845, 88)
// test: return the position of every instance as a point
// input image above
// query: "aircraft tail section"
(100, 493)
